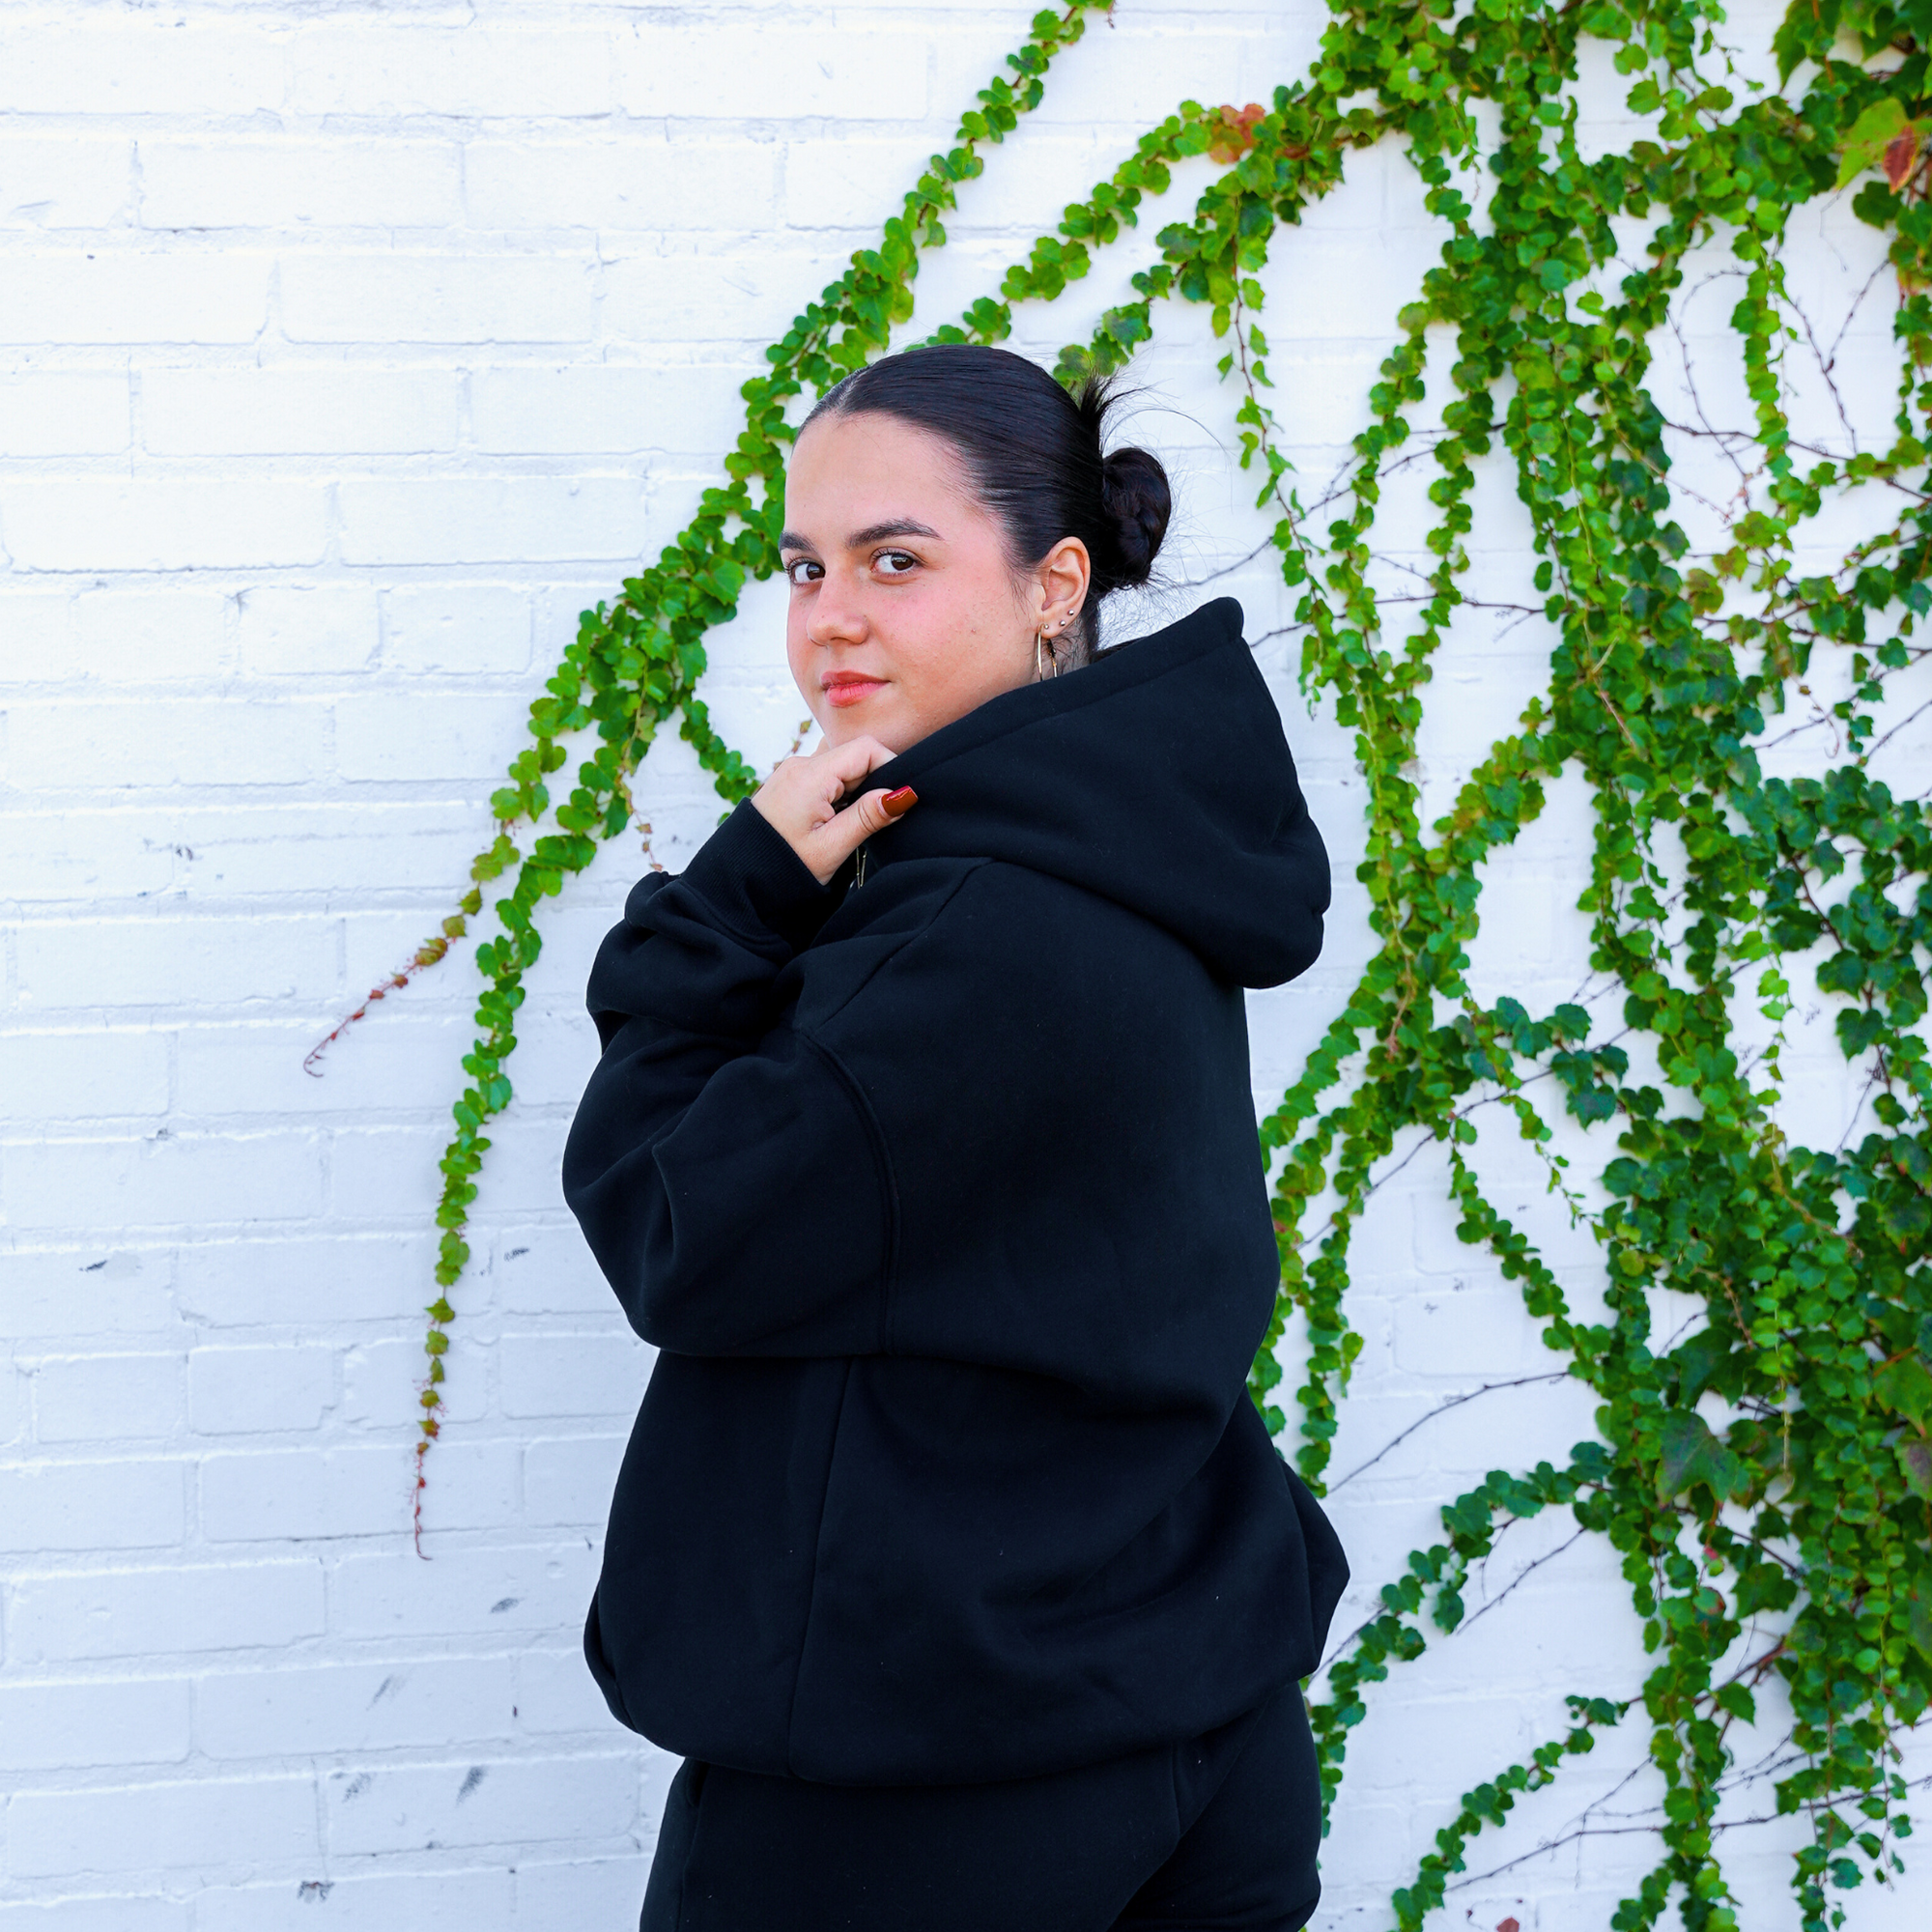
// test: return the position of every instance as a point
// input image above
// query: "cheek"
(943, 633)
(799, 656)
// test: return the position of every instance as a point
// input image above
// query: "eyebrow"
(897, 526)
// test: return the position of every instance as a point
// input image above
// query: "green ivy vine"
(1767, 1479)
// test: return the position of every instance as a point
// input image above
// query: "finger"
(855, 759)
(833, 844)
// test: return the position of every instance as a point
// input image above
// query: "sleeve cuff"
(748, 875)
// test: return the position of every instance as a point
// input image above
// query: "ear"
(1062, 574)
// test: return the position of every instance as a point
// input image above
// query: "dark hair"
(1033, 455)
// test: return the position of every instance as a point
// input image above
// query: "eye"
(802, 569)
(895, 564)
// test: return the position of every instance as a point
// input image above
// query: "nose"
(838, 612)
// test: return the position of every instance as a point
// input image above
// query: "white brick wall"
(351, 355)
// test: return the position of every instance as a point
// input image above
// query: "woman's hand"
(801, 799)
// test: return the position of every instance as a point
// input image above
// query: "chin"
(867, 720)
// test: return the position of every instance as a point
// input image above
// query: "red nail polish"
(896, 803)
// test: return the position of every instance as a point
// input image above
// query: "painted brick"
(628, 183)
(74, 1076)
(259, 1067)
(64, 184)
(570, 1478)
(101, 1913)
(583, 1892)
(436, 298)
(185, 1826)
(556, 1691)
(13, 1405)
(324, 409)
(850, 183)
(599, 1374)
(139, 637)
(522, 409)
(118, 295)
(529, 1159)
(293, 184)
(305, 1494)
(441, 1901)
(105, 1505)
(263, 1605)
(64, 413)
(84, 1396)
(740, 72)
(1471, 1331)
(61, 856)
(401, 1807)
(237, 1391)
(382, 1380)
(301, 1494)
(189, 742)
(144, 67)
(376, 941)
(528, 520)
(746, 298)
(300, 630)
(373, 1172)
(105, 523)
(500, 1593)
(178, 1182)
(458, 628)
(548, 1271)
(246, 1283)
(404, 735)
(35, 640)
(61, 1726)
(354, 1706)
(148, 962)
(426, 68)
(79, 1290)
(98, 853)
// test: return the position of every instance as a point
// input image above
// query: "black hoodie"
(941, 1196)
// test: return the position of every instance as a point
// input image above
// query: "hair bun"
(1135, 494)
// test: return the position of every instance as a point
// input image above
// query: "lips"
(847, 687)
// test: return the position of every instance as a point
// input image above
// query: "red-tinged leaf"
(1914, 1460)
(1232, 131)
(1901, 155)
(1872, 135)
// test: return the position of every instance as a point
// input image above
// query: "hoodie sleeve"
(723, 1170)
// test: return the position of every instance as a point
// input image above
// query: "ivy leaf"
(1914, 1461)
(1692, 1455)
(1901, 157)
(1918, 1619)
(1872, 134)
(1699, 1360)
(1905, 1388)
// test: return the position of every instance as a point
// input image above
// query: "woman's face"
(905, 611)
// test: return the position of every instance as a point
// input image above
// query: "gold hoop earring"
(1039, 657)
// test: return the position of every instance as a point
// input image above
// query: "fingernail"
(896, 803)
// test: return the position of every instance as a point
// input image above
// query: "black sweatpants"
(1218, 1834)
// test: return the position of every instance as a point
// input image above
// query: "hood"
(1157, 777)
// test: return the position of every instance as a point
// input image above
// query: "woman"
(948, 1551)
